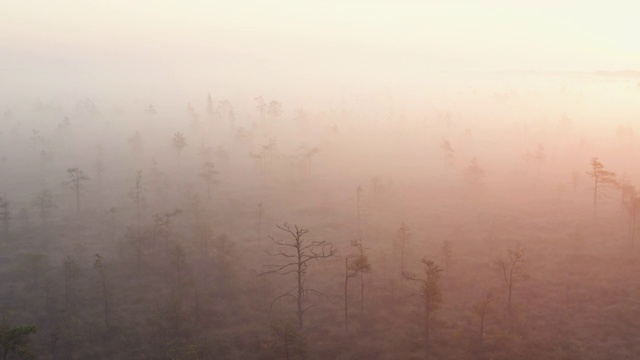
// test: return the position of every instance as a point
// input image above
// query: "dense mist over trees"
(491, 218)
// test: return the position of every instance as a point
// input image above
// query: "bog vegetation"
(495, 223)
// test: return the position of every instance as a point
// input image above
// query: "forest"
(494, 218)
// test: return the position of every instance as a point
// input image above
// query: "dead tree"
(511, 270)
(298, 252)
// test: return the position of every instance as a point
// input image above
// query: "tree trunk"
(300, 289)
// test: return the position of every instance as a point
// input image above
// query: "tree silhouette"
(76, 179)
(512, 272)
(298, 252)
(209, 174)
(15, 340)
(631, 201)
(289, 343)
(179, 143)
(601, 177)
(44, 203)
(354, 265)
(481, 309)
(431, 296)
(137, 195)
(98, 265)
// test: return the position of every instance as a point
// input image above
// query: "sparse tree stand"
(15, 340)
(299, 252)
(600, 177)
(76, 179)
(512, 271)
(431, 296)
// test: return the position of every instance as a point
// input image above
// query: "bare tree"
(76, 178)
(431, 296)
(298, 252)
(601, 177)
(512, 271)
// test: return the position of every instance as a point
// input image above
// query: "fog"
(303, 180)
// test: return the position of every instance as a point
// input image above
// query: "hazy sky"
(68, 46)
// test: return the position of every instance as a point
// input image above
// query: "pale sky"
(114, 43)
